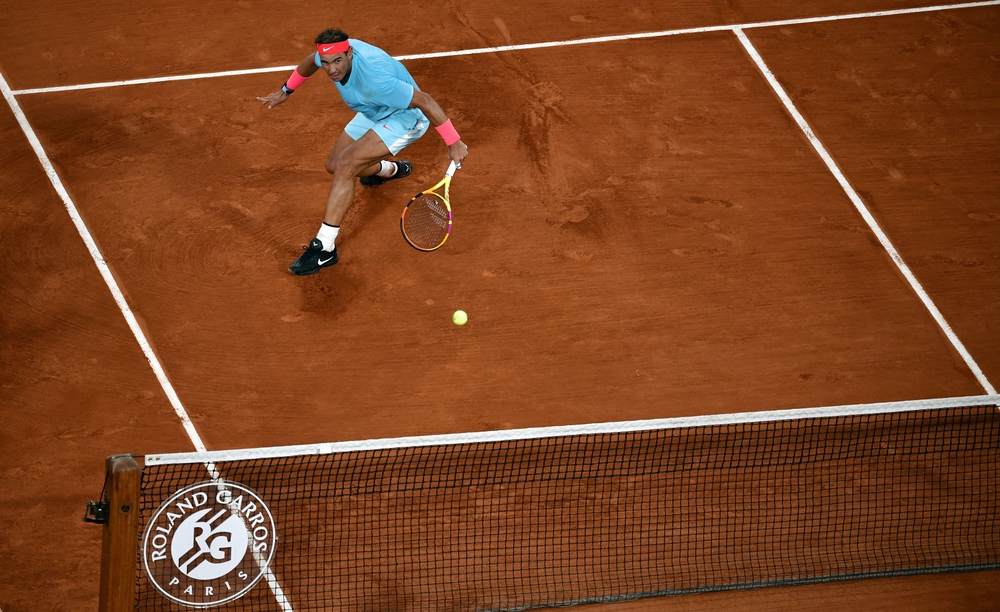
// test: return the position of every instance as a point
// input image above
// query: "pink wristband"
(295, 80)
(447, 131)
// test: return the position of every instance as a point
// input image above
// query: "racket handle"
(451, 168)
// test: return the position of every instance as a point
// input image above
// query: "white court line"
(542, 45)
(102, 267)
(864, 212)
(9, 96)
(182, 77)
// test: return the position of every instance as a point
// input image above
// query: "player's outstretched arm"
(303, 71)
(457, 150)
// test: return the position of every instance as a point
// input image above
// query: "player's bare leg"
(361, 157)
(347, 160)
(338, 149)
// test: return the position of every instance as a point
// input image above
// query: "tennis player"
(392, 113)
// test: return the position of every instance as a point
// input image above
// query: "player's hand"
(274, 99)
(457, 152)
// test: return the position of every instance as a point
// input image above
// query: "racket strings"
(426, 221)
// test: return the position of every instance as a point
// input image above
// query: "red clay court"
(673, 210)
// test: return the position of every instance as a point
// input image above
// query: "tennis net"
(518, 519)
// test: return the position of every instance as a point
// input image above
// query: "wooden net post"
(121, 534)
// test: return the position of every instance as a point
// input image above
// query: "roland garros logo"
(209, 544)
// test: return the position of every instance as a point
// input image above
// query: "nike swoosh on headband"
(337, 47)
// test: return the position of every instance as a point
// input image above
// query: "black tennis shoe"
(403, 170)
(313, 259)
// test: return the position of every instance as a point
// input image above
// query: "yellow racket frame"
(446, 183)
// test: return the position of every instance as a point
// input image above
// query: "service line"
(524, 47)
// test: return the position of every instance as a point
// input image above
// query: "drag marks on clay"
(733, 239)
(574, 254)
(841, 223)
(951, 23)
(540, 111)
(332, 292)
(370, 205)
(954, 261)
(586, 220)
(188, 253)
(36, 371)
(502, 270)
(538, 107)
(711, 202)
(685, 252)
(502, 28)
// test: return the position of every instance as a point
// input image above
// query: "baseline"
(528, 46)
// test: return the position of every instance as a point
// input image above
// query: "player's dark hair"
(331, 35)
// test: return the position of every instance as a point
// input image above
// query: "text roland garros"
(208, 544)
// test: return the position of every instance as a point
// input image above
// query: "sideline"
(116, 292)
(102, 266)
(865, 213)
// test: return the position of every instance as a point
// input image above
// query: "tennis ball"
(459, 318)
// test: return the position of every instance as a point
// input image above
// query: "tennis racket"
(426, 220)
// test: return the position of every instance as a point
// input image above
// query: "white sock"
(388, 169)
(328, 235)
